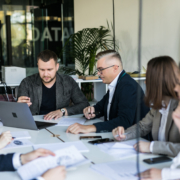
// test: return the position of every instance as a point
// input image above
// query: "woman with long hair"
(161, 78)
(173, 172)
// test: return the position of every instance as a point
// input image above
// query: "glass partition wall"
(29, 26)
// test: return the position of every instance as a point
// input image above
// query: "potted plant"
(83, 46)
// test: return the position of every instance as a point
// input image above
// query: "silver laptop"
(18, 115)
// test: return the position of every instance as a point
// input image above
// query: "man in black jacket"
(119, 105)
(50, 93)
(11, 162)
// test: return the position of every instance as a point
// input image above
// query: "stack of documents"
(119, 149)
(119, 170)
(56, 146)
(63, 121)
(68, 157)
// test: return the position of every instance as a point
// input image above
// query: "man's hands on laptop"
(89, 112)
(55, 114)
(25, 99)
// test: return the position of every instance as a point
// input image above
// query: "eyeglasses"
(100, 70)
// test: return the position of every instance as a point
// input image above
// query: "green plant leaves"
(83, 47)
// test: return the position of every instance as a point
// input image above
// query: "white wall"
(92, 13)
(161, 26)
(161, 29)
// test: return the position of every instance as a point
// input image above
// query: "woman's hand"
(144, 147)
(118, 133)
(5, 139)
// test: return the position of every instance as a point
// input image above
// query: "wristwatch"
(63, 111)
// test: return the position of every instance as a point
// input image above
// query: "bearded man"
(50, 93)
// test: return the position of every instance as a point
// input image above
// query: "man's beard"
(49, 80)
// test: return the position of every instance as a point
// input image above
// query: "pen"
(122, 134)
(96, 113)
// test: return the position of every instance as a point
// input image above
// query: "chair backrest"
(3, 97)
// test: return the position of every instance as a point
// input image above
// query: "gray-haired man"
(119, 104)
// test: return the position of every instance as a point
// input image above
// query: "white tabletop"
(95, 154)
(37, 137)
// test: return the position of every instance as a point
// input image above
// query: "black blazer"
(6, 162)
(123, 109)
(66, 90)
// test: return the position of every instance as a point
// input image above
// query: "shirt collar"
(165, 110)
(114, 82)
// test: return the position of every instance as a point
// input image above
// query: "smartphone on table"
(157, 160)
(100, 141)
(90, 137)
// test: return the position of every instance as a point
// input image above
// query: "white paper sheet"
(63, 121)
(56, 146)
(69, 157)
(118, 153)
(115, 145)
(19, 143)
(67, 121)
(119, 170)
(121, 146)
(132, 142)
(21, 135)
(121, 150)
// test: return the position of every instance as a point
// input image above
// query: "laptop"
(18, 115)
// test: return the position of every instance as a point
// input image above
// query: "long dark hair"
(160, 80)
